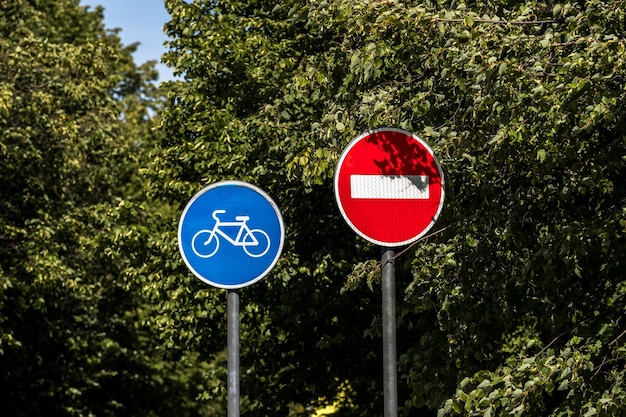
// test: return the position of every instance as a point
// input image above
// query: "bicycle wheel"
(205, 243)
(256, 243)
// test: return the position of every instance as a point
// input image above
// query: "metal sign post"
(230, 235)
(233, 353)
(390, 370)
(389, 188)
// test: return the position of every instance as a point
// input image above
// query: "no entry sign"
(389, 186)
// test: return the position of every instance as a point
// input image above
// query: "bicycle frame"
(243, 227)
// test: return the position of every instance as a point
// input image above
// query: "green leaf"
(484, 384)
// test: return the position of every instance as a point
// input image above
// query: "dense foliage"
(73, 129)
(514, 307)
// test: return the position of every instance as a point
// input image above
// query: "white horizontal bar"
(399, 187)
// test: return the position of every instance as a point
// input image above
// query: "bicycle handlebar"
(216, 212)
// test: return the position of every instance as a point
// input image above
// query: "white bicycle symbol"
(254, 242)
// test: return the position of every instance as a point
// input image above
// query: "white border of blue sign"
(262, 194)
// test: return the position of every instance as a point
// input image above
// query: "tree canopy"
(514, 306)
(75, 128)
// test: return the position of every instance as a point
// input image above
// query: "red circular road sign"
(389, 186)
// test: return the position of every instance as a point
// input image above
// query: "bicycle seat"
(242, 218)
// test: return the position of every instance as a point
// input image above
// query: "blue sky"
(141, 21)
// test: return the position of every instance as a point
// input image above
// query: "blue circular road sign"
(231, 234)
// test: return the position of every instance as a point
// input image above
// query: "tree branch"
(500, 22)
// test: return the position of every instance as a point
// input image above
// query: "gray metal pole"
(233, 354)
(390, 370)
